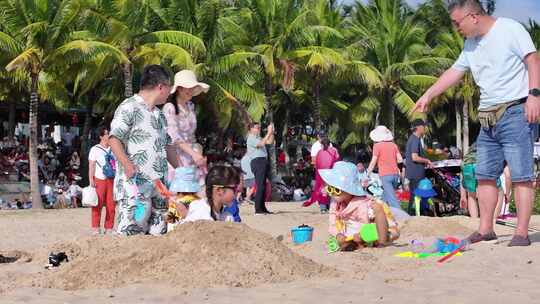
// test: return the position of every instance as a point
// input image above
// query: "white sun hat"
(187, 79)
(381, 133)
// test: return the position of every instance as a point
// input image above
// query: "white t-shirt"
(200, 210)
(496, 62)
(315, 148)
(98, 155)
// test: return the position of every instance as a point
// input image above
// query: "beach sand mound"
(421, 227)
(199, 254)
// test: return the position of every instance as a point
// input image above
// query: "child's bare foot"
(393, 235)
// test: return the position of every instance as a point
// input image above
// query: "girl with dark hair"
(222, 183)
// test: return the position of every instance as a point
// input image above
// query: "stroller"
(446, 182)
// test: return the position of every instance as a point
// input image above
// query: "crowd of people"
(58, 170)
(157, 163)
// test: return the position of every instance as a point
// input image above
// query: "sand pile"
(201, 254)
(420, 227)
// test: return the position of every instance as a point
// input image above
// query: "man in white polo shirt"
(504, 64)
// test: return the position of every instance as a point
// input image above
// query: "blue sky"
(520, 10)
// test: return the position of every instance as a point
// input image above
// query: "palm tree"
(131, 26)
(465, 94)
(37, 37)
(322, 58)
(223, 64)
(264, 32)
(396, 49)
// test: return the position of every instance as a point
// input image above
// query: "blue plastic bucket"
(302, 234)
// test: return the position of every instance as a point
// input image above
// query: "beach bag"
(89, 197)
(109, 168)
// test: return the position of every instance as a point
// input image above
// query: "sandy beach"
(260, 263)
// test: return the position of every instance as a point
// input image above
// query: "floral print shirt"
(181, 128)
(143, 132)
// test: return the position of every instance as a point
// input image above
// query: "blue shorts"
(510, 140)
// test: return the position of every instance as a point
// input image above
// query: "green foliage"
(355, 66)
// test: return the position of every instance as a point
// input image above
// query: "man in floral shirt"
(140, 142)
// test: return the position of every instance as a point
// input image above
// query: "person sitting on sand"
(221, 187)
(351, 209)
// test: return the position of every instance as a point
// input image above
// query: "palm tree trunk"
(391, 111)
(458, 126)
(85, 140)
(128, 79)
(465, 127)
(387, 111)
(268, 92)
(316, 92)
(32, 151)
(11, 120)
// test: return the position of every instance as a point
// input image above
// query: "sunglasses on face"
(457, 23)
(234, 188)
(333, 190)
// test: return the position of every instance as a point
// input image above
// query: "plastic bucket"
(368, 233)
(302, 234)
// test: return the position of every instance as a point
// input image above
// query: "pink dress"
(325, 160)
(352, 216)
(181, 128)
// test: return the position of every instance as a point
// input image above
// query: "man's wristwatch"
(534, 92)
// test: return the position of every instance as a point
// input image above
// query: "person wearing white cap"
(182, 120)
(386, 156)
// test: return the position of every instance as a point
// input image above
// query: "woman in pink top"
(386, 156)
(182, 122)
(325, 159)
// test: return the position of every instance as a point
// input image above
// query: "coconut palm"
(37, 36)
(465, 94)
(135, 28)
(394, 46)
(264, 32)
(222, 66)
(323, 57)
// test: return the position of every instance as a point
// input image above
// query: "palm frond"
(405, 104)
(360, 71)
(185, 40)
(81, 50)
(156, 52)
(29, 58)
(228, 62)
(8, 44)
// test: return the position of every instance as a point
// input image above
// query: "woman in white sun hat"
(182, 121)
(386, 156)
